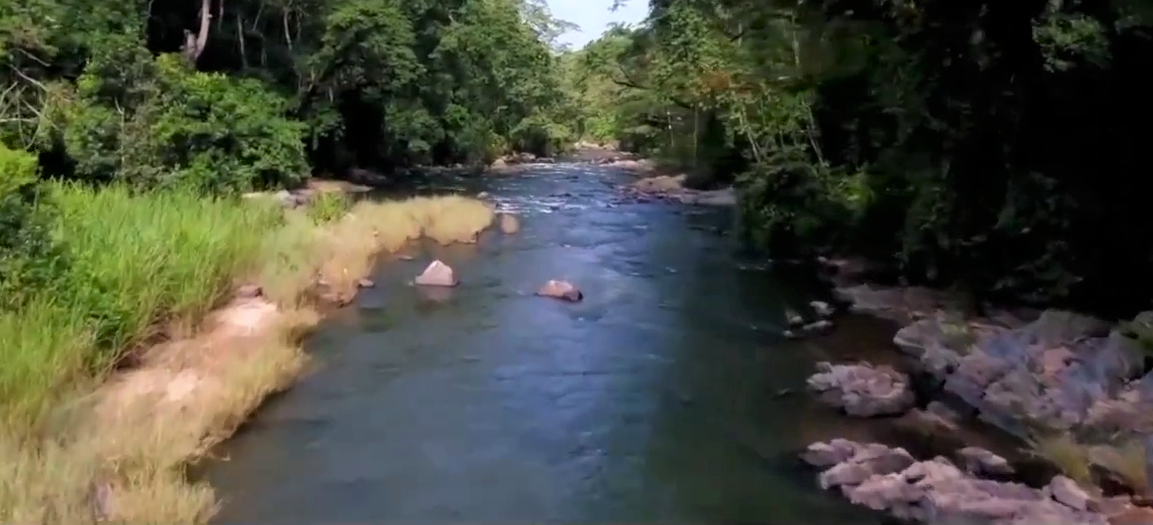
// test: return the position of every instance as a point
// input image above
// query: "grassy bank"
(139, 269)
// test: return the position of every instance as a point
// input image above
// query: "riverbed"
(667, 395)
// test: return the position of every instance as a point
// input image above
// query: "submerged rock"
(509, 223)
(437, 274)
(863, 390)
(890, 480)
(563, 290)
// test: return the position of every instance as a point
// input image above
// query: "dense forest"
(226, 96)
(242, 93)
(995, 147)
(992, 146)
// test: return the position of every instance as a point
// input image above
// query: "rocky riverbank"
(660, 182)
(1074, 390)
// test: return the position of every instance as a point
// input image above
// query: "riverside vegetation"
(986, 146)
(117, 271)
(989, 149)
(126, 148)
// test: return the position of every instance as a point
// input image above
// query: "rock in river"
(822, 309)
(982, 463)
(437, 274)
(889, 479)
(509, 223)
(563, 290)
(863, 390)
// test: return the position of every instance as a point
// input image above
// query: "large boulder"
(1061, 371)
(863, 390)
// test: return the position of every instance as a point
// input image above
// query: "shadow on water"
(655, 399)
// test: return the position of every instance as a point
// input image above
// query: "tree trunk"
(194, 44)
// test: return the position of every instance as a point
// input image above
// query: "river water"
(663, 397)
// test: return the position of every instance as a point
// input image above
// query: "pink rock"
(563, 290)
(437, 274)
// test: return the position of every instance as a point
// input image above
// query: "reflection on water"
(655, 399)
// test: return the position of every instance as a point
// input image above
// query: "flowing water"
(663, 397)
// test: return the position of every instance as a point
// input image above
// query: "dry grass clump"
(445, 219)
(349, 247)
(1064, 453)
(161, 259)
(127, 466)
(1125, 460)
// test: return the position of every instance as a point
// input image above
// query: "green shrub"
(137, 261)
(29, 259)
(328, 206)
(161, 124)
(788, 203)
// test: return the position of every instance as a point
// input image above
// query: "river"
(663, 397)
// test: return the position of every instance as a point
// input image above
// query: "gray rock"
(1066, 491)
(862, 390)
(936, 491)
(822, 309)
(824, 455)
(869, 461)
(821, 326)
(286, 199)
(981, 462)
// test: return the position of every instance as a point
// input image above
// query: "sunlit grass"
(136, 264)
(143, 265)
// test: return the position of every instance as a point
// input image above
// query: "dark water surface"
(657, 399)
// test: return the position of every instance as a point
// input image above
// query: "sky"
(594, 16)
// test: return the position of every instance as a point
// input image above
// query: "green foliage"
(982, 144)
(30, 261)
(328, 206)
(158, 124)
(136, 260)
(788, 204)
(111, 92)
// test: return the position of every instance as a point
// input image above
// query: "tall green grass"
(133, 262)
